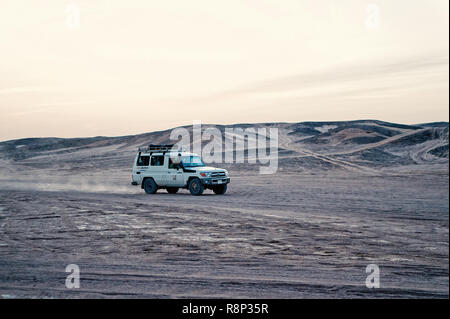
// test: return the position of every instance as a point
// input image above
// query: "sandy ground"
(368, 192)
(287, 236)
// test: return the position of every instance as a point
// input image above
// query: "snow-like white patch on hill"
(325, 128)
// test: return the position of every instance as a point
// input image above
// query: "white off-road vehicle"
(161, 167)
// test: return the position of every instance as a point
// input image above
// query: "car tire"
(196, 187)
(219, 189)
(172, 190)
(150, 186)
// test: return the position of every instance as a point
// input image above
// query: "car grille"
(218, 174)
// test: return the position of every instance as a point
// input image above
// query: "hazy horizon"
(84, 68)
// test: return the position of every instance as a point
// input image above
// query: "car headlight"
(205, 174)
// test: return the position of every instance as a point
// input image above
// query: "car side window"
(143, 160)
(157, 160)
(172, 164)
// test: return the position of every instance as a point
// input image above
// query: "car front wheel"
(196, 187)
(220, 189)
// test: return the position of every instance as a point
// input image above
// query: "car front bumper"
(211, 181)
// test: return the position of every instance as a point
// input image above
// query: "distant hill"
(352, 145)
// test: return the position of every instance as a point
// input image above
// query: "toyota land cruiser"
(160, 167)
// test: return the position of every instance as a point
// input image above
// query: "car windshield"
(192, 161)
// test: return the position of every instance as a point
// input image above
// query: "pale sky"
(115, 67)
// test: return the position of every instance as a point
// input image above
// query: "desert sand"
(346, 194)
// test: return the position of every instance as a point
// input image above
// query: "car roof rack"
(153, 148)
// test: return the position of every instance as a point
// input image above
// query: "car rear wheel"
(150, 186)
(196, 187)
(172, 190)
(220, 189)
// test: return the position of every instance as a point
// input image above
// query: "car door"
(174, 177)
(142, 162)
(157, 169)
